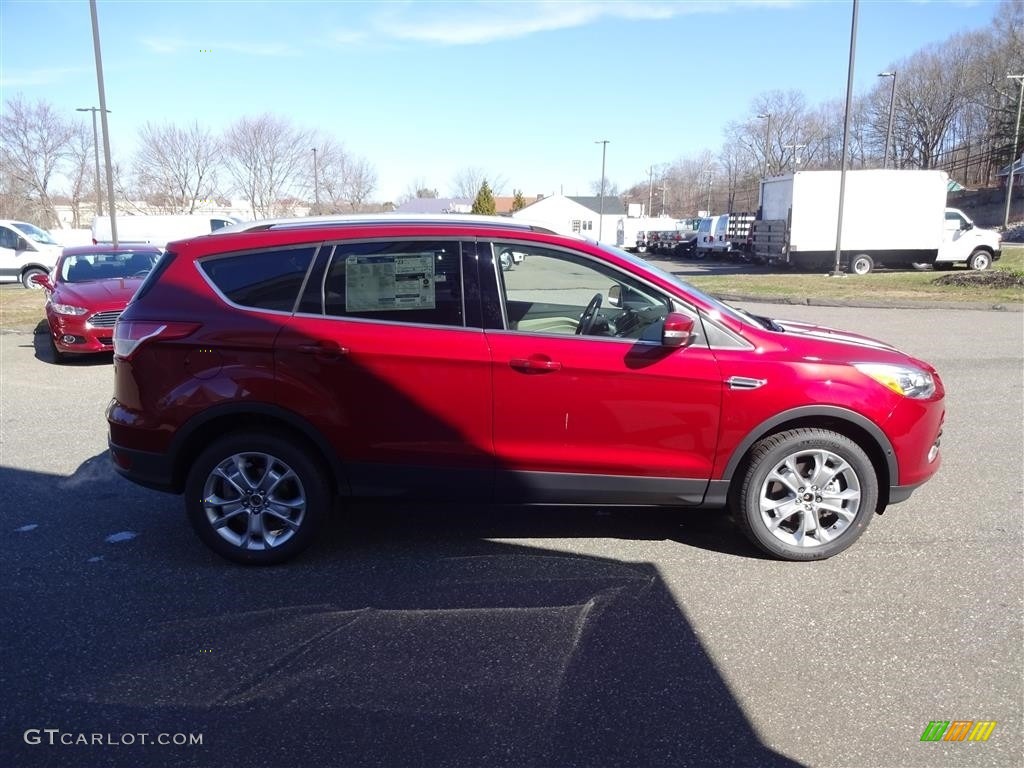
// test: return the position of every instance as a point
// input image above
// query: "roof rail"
(501, 222)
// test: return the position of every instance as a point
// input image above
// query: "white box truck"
(895, 218)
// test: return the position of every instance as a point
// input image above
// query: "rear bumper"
(150, 470)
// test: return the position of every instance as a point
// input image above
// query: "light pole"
(650, 191)
(103, 117)
(600, 222)
(892, 104)
(316, 185)
(96, 153)
(1013, 159)
(846, 137)
(796, 153)
(767, 117)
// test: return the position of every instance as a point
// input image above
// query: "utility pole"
(796, 153)
(892, 105)
(600, 222)
(650, 190)
(846, 136)
(103, 115)
(1013, 159)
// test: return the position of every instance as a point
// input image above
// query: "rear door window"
(263, 280)
(409, 281)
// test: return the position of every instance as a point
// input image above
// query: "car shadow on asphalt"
(405, 638)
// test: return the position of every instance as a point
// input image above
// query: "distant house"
(436, 205)
(1018, 174)
(577, 216)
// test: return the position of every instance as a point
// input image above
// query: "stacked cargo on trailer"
(893, 217)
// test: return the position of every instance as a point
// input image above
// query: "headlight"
(68, 309)
(901, 379)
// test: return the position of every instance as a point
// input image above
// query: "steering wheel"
(588, 316)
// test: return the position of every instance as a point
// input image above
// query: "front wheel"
(256, 499)
(979, 260)
(862, 264)
(807, 494)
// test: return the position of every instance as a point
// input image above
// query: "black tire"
(803, 511)
(979, 260)
(861, 264)
(253, 531)
(26, 278)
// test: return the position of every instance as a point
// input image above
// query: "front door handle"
(534, 364)
(329, 350)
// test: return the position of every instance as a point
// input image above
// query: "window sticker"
(375, 283)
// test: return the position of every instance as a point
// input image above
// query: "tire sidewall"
(310, 474)
(764, 462)
(26, 279)
(981, 257)
(862, 259)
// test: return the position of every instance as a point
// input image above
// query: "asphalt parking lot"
(511, 637)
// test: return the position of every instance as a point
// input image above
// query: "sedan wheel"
(256, 499)
(808, 494)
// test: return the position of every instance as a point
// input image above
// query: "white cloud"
(477, 23)
(30, 77)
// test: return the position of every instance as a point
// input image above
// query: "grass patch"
(954, 286)
(21, 309)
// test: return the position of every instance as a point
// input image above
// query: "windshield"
(83, 268)
(720, 306)
(33, 232)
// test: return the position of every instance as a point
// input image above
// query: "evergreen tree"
(518, 201)
(484, 203)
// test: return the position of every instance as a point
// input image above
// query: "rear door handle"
(324, 349)
(532, 364)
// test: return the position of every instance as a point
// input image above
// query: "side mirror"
(677, 331)
(615, 296)
(968, 225)
(43, 281)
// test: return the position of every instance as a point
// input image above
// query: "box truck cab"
(157, 230)
(25, 251)
(965, 243)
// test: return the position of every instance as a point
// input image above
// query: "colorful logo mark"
(958, 730)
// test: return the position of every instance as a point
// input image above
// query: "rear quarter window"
(262, 280)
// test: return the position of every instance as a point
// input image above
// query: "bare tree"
(268, 158)
(611, 189)
(34, 142)
(417, 189)
(176, 167)
(468, 181)
(343, 181)
(80, 173)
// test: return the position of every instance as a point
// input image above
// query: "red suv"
(266, 373)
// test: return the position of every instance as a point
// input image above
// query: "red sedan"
(86, 292)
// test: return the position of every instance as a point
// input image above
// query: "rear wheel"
(256, 499)
(862, 264)
(979, 260)
(807, 494)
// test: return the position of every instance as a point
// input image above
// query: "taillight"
(130, 334)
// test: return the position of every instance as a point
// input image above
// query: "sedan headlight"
(68, 309)
(902, 379)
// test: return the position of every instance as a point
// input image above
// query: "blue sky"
(425, 89)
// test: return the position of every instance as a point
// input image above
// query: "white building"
(576, 216)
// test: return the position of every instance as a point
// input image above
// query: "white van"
(158, 230)
(706, 233)
(25, 251)
(963, 242)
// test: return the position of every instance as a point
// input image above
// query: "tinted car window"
(264, 280)
(411, 282)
